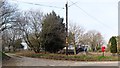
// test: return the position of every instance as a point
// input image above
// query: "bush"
(113, 46)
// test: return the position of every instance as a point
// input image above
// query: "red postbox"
(103, 48)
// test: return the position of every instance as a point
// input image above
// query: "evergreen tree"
(113, 46)
(53, 33)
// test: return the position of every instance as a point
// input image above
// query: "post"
(103, 50)
(103, 54)
(66, 5)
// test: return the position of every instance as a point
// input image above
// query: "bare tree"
(95, 39)
(8, 19)
(75, 35)
(30, 25)
(8, 13)
(77, 32)
(9, 38)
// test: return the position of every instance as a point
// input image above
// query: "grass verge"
(70, 57)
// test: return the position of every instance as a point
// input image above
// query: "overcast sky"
(100, 15)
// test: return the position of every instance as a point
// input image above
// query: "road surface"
(26, 61)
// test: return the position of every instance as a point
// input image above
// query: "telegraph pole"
(66, 5)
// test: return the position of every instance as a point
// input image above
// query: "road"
(26, 61)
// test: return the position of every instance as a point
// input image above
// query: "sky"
(99, 15)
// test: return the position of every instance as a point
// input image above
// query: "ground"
(25, 61)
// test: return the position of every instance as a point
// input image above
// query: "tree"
(95, 39)
(76, 32)
(8, 19)
(8, 13)
(18, 44)
(9, 38)
(113, 45)
(30, 25)
(70, 38)
(75, 35)
(53, 33)
(92, 37)
(5, 40)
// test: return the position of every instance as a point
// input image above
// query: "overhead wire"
(40, 4)
(68, 6)
(72, 4)
(92, 16)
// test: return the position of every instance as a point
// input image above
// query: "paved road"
(25, 61)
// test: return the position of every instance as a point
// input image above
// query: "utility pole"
(66, 5)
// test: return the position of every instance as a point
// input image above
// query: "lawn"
(90, 57)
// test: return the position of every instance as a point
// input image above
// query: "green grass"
(103, 57)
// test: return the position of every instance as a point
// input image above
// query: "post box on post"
(103, 49)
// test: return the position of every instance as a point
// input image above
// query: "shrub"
(113, 46)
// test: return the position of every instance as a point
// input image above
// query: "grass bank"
(70, 57)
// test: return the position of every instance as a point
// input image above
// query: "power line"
(64, 8)
(91, 16)
(72, 4)
(39, 4)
